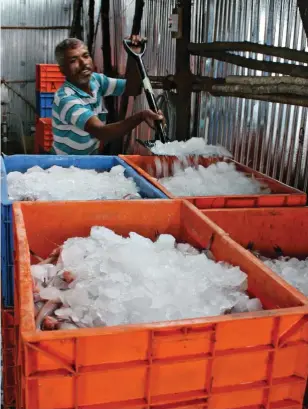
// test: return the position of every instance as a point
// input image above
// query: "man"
(78, 112)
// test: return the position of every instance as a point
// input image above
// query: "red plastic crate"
(281, 196)
(43, 135)
(48, 77)
(9, 349)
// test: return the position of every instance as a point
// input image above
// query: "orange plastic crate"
(266, 228)
(282, 195)
(249, 360)
(43, 135)
(48, 77)
(9, 357)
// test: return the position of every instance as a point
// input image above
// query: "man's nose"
(83, 62)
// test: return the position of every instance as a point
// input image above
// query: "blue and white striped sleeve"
(112, 86)
(72, 112)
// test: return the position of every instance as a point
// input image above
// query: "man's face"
(78, 65)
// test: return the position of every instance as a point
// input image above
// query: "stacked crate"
(48, 80)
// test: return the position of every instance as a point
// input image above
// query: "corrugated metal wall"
(266, 136)
(263, 135)
(22, 49)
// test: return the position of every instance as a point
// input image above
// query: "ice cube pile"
(293, 270)
(58, 183)
(111, 280)
(220, 178)
(194, 146)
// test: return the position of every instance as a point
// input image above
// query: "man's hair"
(67, 44)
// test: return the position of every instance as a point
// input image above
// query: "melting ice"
(220, 178)
(117, 280)
(294, 271)
(194, 146)
(57, 183)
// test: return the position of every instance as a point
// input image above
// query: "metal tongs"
(160, 131)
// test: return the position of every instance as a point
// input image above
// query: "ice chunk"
(35, 169)
(218, 179)
(117, 170)
(241, 304)
(39, 272)
(121, 280)
(254, 305)
(104, 234)
(293, 270)
(194, 146)
(57, 183)
(67, 325)
(165, 242)
(140, 240)
(64, 313)
(186, 248)
(51, 293)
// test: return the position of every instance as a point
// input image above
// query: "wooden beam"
(288, 90)
(254, 80)
(284, 89)
(281, 52)
(183, 74)
(203, 83)
(268, 66)
(281, 99)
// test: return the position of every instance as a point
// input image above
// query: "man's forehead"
(79, 49)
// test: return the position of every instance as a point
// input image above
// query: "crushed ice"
(58, 183)
(293, 270)
(194, 146)
(220, 178)
(106, 279)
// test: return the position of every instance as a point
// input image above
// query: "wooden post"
(183, 73)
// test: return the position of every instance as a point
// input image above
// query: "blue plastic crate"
(44, 101)
(22, 163)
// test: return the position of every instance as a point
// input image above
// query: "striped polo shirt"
(72, 108)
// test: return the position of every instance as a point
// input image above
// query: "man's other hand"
(136, 41)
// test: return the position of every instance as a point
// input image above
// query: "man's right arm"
(71, 111)
(107, 133)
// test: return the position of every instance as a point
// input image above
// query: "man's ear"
(62, 69)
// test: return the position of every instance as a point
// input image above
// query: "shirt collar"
(93, 86)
